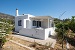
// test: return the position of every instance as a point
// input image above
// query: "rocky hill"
(2, 15)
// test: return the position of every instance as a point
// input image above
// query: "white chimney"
(17, 12)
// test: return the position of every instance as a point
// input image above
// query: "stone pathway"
(49, 41)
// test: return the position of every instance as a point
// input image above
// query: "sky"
(52, 8)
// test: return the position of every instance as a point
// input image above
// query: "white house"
(34, 26)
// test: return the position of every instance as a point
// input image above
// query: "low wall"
(49, 32)
(36, 33)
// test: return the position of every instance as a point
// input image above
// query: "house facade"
(34, 26)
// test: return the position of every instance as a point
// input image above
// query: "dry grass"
(11, 46)
(59, 46)
(27, 43)
(32, 44)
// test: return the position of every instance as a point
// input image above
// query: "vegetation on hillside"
(65, 29)
(72, 24)
(6, 26)
(2, 15)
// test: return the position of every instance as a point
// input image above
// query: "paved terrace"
(39, 41)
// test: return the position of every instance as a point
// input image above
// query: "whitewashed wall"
(37, 33)
(52, 31)
(17, 28)
(26, 22)
(47, 33)
(33, 33)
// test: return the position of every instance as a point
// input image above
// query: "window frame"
(36, 23)
(19, 22)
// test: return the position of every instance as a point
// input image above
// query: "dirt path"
(39, 41)
(12, 46)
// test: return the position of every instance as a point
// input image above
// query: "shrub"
(72, 24)
(2, 41)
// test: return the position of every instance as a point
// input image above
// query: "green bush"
(72, 24)
(5, 28)
(2, 41)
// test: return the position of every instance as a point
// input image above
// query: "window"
(37, 23)
(34, 23)
(20, 23)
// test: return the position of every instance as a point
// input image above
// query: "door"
(38, 23)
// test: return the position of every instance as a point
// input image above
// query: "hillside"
(2, 15)
(6, 22)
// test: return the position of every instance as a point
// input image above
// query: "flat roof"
(41, 17)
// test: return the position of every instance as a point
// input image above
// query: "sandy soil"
(11, 46)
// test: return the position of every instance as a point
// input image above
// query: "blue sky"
(39, 7)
